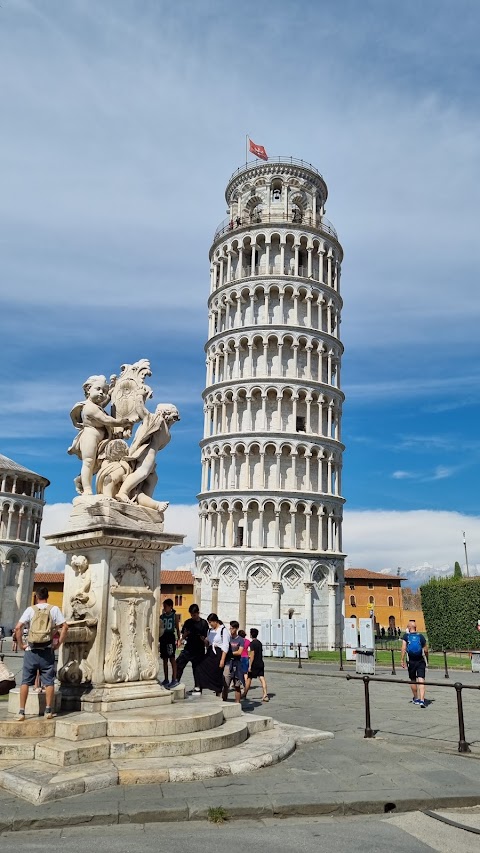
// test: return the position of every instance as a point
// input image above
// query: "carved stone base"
(112, 605)
(120, 697)
(91, 510)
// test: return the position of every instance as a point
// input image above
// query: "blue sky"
(121, 124)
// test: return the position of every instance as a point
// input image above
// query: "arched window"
(353, 603)
(13, 567)
(371, 600)
(390, 600)
(276, 194)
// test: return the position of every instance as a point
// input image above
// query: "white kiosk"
(365, 656)
(350, 638)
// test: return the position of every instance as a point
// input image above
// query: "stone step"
(231, 733)
(66, 753)
(31, 727)
(21, 749)
(40, 782)
(174, 721)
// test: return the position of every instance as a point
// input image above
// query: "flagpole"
(246, 148)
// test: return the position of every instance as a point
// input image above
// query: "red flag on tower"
(257, 150)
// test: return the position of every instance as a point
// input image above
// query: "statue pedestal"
(111, 601)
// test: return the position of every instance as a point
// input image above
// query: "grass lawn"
(384, 658)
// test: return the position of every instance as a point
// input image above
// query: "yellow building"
(54, 583)
(366, 591)
(177, 585)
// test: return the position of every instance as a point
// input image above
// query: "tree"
(457, 572)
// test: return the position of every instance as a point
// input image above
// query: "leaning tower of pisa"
(270, 540)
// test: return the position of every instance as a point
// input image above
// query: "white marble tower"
(270, 541)
(21, 509)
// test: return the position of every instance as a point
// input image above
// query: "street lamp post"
(466, 554)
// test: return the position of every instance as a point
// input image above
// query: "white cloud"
(403, 475)
(421, 542)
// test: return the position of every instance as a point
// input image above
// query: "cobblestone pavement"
(412, 763)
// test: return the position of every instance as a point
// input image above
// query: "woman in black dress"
(209, 673)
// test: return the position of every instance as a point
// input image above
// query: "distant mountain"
(418, 575)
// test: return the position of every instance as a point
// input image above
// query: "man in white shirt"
(40, 657)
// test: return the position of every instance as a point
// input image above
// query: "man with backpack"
(43, 621)
(415, 646)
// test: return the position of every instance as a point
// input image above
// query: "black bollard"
(445, 664)
(463, 746)
(394, 671)
(368, 726)
(341, 658)
(300, 656)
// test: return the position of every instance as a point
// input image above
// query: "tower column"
(277, 592)
(309, 611)
(215, 583)
(332, 606)
(242, 605)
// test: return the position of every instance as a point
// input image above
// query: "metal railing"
(320, 223)
(288, 161)
(463, 745)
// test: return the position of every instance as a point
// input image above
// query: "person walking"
(170, 625)
(209, 673)
(244, 662)
(257, 666)
(415, 646)
(43, 621)
(233, 672)
(194, 634)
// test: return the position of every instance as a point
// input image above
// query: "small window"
(276, 194)
(353, 603)
(390, 600)
(352, 585)
(239, 539)
(371, 600)
(370, 584)
(389, 585)
(300, 424)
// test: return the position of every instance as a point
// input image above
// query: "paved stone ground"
(412, 763)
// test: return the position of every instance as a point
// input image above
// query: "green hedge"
(451, 607)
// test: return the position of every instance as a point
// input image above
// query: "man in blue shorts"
(415, 646)
(42, 621)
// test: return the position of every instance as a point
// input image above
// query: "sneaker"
(21, 717)
(196, 691)
(421, 703)
(164, 683)
(49, 715)
(415, 701)
(173, 684)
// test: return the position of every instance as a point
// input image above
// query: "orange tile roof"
(175, 577)
(366, 574)
(48, 577)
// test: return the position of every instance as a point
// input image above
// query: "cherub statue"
(95, 427)
(82, 598)
(152, 435)
(115, 468)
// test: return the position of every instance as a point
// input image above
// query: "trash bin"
(365, 662)
(476, 661)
